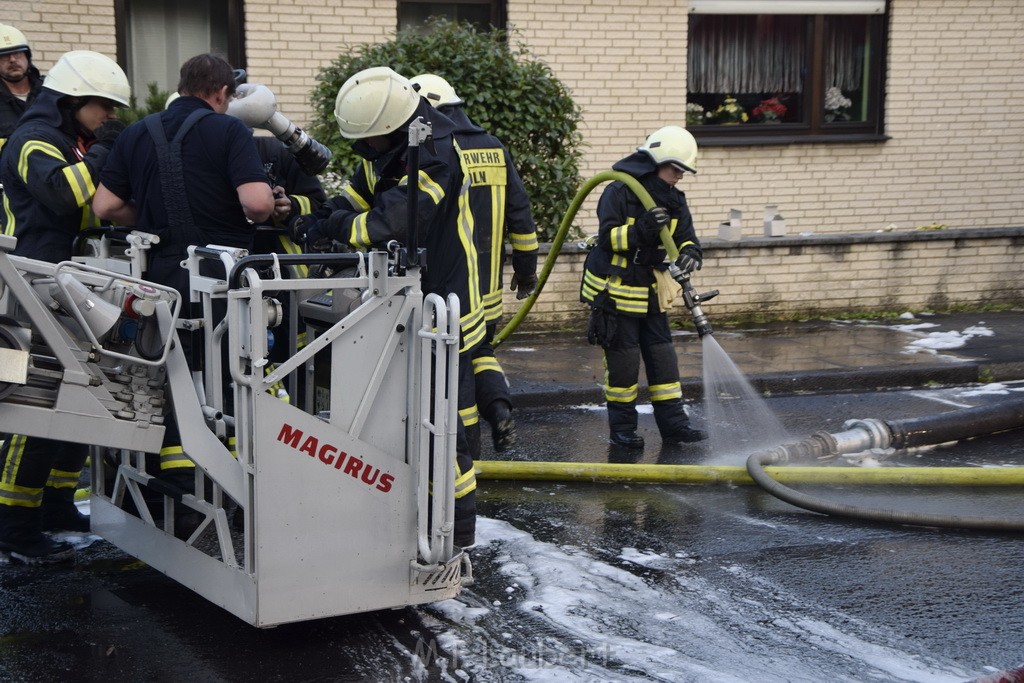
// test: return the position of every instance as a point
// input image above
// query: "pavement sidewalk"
(791, 357)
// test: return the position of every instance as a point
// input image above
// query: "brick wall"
(957, 133)
(805, 277)
(53, 28)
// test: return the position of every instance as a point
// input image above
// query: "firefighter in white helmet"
(20, 82)
(501, 208)
(629, 291)
(50, 169)
(374, 109)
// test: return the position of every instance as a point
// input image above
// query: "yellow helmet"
(375, 101)
(13, 40)
(84, 73)
(672, 145)
(438, 91)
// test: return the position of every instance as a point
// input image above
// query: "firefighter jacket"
(373, 209)
(498, 200)
(618, 275)
(12, 107)
(49, 176)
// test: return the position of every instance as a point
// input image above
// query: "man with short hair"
(20, 82)
(192, 175)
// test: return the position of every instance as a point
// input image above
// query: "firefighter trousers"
(650, 339)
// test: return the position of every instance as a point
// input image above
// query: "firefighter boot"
(629, 439)
(674, 423)
(503, 426)
(21, 539)
(60, 512)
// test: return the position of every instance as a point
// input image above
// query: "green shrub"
(154, 102)
(512, 95)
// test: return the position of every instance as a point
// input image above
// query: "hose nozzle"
(693, 300)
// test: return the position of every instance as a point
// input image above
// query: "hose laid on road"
(864, 434)
(624, 473)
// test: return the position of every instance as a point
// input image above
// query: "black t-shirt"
(218, 155)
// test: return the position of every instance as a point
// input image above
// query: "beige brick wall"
(955, 71)
(801, 277)
(53, 28)
(289, 42)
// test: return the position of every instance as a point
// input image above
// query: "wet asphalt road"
(602, 582)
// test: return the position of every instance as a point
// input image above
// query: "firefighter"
(629, 291)
(374, 108)
(20, 82)
(50, 168)
(500, 208)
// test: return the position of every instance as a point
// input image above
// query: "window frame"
(498, 9)
(814, 129)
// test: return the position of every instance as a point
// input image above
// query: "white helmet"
(13, 40)
(438, 91)
(84, 73)
(375, 101)
(170, 98)
(672, 145)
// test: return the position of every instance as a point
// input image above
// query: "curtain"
(746, 53)
(844, 52)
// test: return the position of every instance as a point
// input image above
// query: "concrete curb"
(808, 382)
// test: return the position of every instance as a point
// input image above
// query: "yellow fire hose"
(623, 473)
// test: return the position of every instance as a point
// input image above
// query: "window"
(796, 75)
(155, 37)
(483, 15)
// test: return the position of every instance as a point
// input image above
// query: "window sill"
(765, 140)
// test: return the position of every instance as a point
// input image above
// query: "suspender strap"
(172, 177)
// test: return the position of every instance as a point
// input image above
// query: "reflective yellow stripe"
(464, 482)
(621, 394)
(665, 392)
(619, 261)
(592, 286)
(524, 242)
(173, 457)
(80, 181)
(433, 190)
(497, 238)
(305, 206)
(20, 496)
(360, 234)
(35, 146)
(355, 198)
(16, 449)
(290, 247)
(485, 363)
(469, 416)
(62, 479)
(619, 236)
(10, 219)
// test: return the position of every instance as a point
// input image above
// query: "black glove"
(108, 131)
(650, 224)
(523, 286)
(602, 327)
(691, 258)
(316, 237)
(298, 227)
